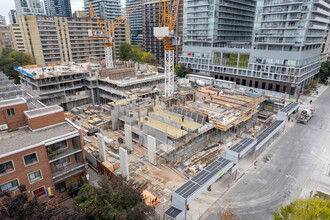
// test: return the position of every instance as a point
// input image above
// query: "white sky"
(7, 5)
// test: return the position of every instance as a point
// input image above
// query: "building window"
(30, 159)
(10, 112)
(61, 162)
(39, 192)
(6, 167)
(10, 186)
(35, 176)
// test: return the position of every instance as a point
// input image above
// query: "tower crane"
(165, 31)
(100, 32)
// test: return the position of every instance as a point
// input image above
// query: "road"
(302, 151)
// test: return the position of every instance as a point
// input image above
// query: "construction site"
(165, 141)
(138, 122)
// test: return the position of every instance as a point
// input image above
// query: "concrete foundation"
(102, 152)
(123, 162)
(128, 137)
(152, 150)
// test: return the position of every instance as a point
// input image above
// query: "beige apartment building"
(16, 38)
(5, 38)
(60, 39)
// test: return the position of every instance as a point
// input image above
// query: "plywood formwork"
(225, 110)
(172, 131)
(185, 123)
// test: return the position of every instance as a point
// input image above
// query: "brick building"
(41, 150)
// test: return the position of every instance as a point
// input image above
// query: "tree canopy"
(324, 71)
(10, 58)
(314, 208)
(135, 53)
(182, 71)
(115, 199)
(20, 207)
(125, 51)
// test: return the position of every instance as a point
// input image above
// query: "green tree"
(149, 58)
(125, 51)
(314, 208)
(114, 199)
(10, 58)
(20, 58)
(182, 71)
(324, 71)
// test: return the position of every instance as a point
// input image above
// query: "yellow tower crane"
(103, 32)
(168, 11)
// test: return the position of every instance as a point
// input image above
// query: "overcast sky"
(7, 5)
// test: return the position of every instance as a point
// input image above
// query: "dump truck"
(305, 115)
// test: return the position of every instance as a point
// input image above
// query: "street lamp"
(287, 176)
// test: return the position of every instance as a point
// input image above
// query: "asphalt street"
(280, 174)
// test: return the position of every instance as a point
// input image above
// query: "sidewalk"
(306, 99)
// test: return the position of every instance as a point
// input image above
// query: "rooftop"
(36, 72)
(135, 80)
(43, 111)
(11, 102)
(11, 142)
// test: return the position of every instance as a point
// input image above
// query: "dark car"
(92, 132)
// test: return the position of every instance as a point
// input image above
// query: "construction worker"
(310, 102)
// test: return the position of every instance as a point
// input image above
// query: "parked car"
(92, 132)
(74, 189)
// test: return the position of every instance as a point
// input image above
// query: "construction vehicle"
(100, 32)
(305, 115)
(168, 11)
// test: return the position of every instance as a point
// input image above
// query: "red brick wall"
(46, 120)
(21, 171)
(18, 120)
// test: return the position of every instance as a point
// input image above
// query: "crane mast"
(165, 31)
(106, 35)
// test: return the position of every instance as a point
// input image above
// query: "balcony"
(321, 11)
(68, 170)
(59, 154)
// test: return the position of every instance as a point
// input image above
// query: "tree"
(324, 71)
(313, 208)
(20, 207)
(114, 199)
(182, 71)
(125, 51)
(20, 57)
(10, 58)
(149, 58)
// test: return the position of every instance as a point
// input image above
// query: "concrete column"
(123, 162)
(102, 152)
(152, 150)
(128, 137)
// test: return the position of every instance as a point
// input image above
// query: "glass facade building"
(29, 7)
(136, 23)
(275, 47)
(105, 9)
(60, 8)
